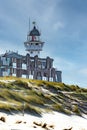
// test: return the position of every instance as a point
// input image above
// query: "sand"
(52, 121)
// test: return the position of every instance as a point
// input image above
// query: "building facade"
(30, 66)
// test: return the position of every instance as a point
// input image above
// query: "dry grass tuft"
(3, 119)
(18, 122)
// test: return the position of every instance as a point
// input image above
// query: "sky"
(63, 25)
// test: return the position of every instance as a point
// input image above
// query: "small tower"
(33, 44)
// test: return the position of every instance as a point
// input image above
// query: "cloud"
(58, 25)
(64, 64)
(83, 72)
(12, 46)
(72, 72)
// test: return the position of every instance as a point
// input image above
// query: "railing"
(33, 47)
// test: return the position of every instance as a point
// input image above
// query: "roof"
(34, 32)
(12, 54)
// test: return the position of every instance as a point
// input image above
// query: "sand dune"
(48, 121)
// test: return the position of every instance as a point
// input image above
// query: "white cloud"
(83, 71)
(71, 72)
(58, 25)
(12, 46)
(64, 64)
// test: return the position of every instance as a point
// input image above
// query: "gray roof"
(34, 32)
(12, 54)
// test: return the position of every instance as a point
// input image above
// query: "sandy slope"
(57, 120)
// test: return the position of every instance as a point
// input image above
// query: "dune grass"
(60, 97)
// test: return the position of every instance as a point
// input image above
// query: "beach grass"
(17, 94)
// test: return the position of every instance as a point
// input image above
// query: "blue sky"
(63, 24)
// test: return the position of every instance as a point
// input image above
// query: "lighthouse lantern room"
(34, 44)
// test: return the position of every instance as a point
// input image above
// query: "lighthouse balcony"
(33, 43)
(33, 47)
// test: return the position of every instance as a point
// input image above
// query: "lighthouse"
(34, 44)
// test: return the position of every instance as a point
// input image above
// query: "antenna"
(28, 29)
(29, 24)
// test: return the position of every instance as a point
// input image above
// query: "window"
(36, 43)
(23, 66)
(5, 73)
(14, 65)
(23, 76)
(14, 75)
(43, 65)
(13, 59)
(14, 70)
(30, 76)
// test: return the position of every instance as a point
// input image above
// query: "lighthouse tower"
(34, 44)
